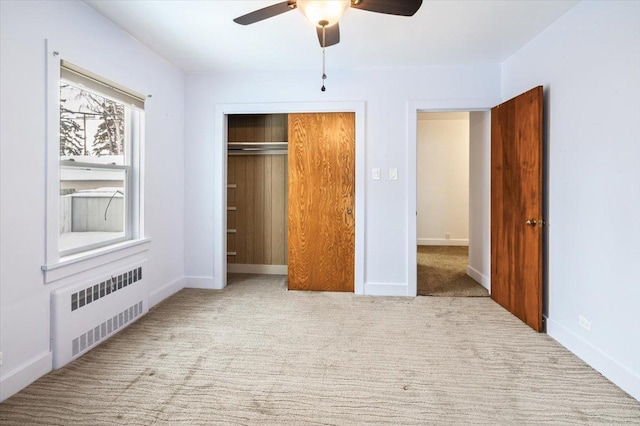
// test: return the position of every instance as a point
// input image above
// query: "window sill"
(75, 263)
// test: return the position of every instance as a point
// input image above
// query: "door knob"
(531, 222)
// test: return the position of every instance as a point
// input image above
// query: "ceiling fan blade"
(332, 35)
(390, 7)
(265, 13)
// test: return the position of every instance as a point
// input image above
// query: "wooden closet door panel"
(259, 127)
(268, 206)
(258, 208)
(231, 244)
(249, 205)
(231, 220)
(231, 170)
(231, 190)
(278, 210)
(259, 217)
(231, 201)
(278, 128)
(241, 210)
(321, 201)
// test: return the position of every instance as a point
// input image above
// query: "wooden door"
(321, 215)
(516, 206)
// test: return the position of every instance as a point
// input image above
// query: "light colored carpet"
(442, 271)
(257, 354)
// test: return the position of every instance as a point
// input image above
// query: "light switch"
(393, 174)
(375, 173)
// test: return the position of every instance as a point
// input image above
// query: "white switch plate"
(393, 174)
(375, 173)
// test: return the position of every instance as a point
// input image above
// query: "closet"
(257, 193)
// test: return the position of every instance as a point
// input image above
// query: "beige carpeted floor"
(257, 354)
(442, 271)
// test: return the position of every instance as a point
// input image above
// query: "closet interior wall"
(257, 192)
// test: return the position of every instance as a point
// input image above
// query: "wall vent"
(97, 291)
(86, 313)
(104, 330)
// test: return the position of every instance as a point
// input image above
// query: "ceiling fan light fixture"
(323, 12)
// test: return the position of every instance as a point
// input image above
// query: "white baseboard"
(24, 375)
(202, 282)
(623, 377)
(386, 289)
(165, 291)
(479, 277)
(442, 242)
(240, 268)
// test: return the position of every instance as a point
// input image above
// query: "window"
(99, 161)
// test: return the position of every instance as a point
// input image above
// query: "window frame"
(128, 219)
(59, 264)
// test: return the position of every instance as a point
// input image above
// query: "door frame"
(220, 176)
(413, 108)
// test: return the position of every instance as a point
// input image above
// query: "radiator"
(86, 313)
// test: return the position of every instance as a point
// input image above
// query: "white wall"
(387, 93)
(100, 46)
(480, 197)
(589, 64)
(443, 178)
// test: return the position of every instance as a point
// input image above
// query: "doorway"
(511, 159)
(480, 185)
(220, 177)
(257, 194)
(290, 198)
(443, 200)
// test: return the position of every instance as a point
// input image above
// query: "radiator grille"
(99, 332)
(94, 292)
(87, 311)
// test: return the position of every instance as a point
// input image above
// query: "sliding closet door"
(321, 217)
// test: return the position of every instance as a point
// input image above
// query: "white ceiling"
(200, 35)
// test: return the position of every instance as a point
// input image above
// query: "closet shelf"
(256, 146)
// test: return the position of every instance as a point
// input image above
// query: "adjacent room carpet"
(255, 353)
(442, 271)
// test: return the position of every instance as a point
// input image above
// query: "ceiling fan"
(326, 13)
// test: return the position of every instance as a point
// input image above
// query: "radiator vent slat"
(84, 297)
(99, 332)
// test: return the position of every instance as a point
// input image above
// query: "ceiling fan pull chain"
(324, 76)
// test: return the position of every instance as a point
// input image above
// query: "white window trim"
(75, 263)
(127, 169)
(56, 266)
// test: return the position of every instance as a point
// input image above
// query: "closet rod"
(256, 146)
